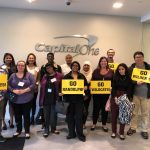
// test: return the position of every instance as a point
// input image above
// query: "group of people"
(25, 80)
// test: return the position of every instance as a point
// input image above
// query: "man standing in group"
(141, 97)
(66, 67)
(50, 59)
(110, 55)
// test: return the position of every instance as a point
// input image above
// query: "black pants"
(22, 110)
(86, 107)
(50, 117)
(99, 102)
(33, 107)
(75, 119)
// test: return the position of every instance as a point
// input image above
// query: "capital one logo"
(76, 50)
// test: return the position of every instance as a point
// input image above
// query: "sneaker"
(144, 135)
(2, 139)
(131, 131)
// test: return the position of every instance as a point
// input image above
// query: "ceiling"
(135, 8)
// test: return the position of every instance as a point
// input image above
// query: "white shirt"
(65, 69)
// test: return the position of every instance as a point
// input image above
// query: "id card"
(53, 80)
(49, 90)
(21, 84)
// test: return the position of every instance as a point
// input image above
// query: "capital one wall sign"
(76, 50)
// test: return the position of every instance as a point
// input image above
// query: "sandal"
(131, 131)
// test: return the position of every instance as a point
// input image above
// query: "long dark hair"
(25, 69)
(117, 74)
(103, 57)
(13, 60)
(27, 63)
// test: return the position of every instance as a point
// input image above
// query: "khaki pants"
(143, 105)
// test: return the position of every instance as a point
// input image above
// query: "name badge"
(21, 84)
(49, 90)
(53, 80)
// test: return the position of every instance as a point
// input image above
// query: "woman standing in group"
(34, 70)
(75, 108)
(49, 94)
(87, 72)
(103, 72)
(10, 67)
(22, 84)
(122, 84)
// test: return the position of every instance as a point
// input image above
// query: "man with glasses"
(141, 97)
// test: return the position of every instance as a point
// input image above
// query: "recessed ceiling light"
(30, 1)
(117, 5)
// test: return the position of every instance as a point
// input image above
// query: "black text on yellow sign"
(100, 87)
(3, 82)
(141, 75)
(113, 66)
(72, 86)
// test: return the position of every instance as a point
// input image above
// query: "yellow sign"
(3, 81)
(100, 87)
(113, 66)
(72, 86)
(141, 75)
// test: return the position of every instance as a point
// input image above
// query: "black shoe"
(4, 127)
(32, 122)
(122, 137)
(131, 131)
(70, 137)
(27, 136)
(10, 125)
(16, 134)
(45, 135)
(105, 129)
(144, 135)
(113, 135)
(82, 138)
(55, 131)
(2, 139)
(92, 128)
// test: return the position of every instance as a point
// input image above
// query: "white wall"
(146, 41)
(20, 30)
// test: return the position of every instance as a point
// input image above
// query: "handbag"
(12, 96)
(61, 107)
(125, 109)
